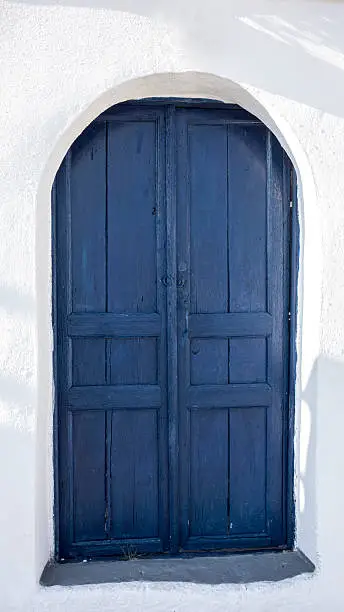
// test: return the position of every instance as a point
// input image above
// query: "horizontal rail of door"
(114, 547)
(123, 114)
(112, 397)
(202, 109)
(149, 396)
(230, 324)
(109, 324)
(197, 543)
(229, 396)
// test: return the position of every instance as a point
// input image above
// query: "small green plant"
(129, 552)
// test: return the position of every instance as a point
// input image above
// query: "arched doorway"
(172, 314)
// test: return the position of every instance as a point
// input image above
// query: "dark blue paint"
(88, 474)
(134, 475)
(209, 472)
(232, 240)
(293, 271)
(248, 510)
(172, 335)
(171, 324)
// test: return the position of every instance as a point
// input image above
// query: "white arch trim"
(187, 84)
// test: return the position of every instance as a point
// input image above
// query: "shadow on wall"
(17, 429)
(324, 462)
(321, 464)
(306, 34)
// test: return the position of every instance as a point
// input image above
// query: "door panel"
(89, 455)
(171, 261)
(134, 361)
(207, 150)
(208, 472)
(88, 362)
(132, 210)
(230, 193)
(134, 474)
(111, 339)
(247, 478)
(248, 360)
(209, 361)
(247, 201)
(86, 176)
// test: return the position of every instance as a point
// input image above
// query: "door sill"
(206, 569)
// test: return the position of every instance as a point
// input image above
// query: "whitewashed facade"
(62, 63)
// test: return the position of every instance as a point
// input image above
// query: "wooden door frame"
(292, 272)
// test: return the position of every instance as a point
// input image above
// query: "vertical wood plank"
(88, 213)
(209, 361)
(172, 341)
(209, 473)
(248, 360)
(161, 342)
(63, 358)
(278, 298)
(208, 210)
(134, 474)
(247, 480)
(132, 217)
(88, 475)
(293, 273)
(183, 309)
(247, 239)
(88, 361)
(134, 361)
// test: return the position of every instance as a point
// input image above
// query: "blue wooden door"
(233, 215)
(171, 260)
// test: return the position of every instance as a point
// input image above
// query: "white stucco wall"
(62, 62)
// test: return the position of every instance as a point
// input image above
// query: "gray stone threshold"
(229, 569)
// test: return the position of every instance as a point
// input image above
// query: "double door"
(171, 333)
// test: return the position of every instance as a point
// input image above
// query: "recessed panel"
(134, 361)
(209, 361)
(208, 223)
(88, 361)
(248, 360)
(134, 470)
(248, 218)
(88, 475)
(247, 477)
(132, 213)
(88, 220)
(209, 473)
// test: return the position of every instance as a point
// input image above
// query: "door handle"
(167, 281)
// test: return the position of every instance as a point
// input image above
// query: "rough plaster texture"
(62, 62)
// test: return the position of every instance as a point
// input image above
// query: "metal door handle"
(167, 280)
